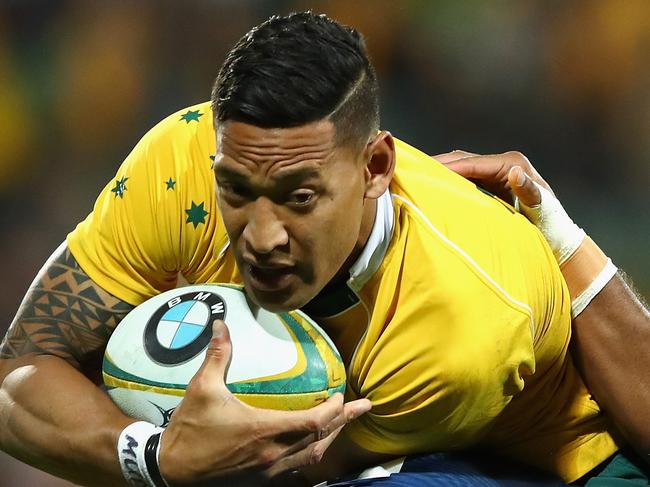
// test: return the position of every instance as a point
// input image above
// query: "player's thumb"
(523, 187)
(218, 354)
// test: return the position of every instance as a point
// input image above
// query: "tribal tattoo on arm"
(65, 314)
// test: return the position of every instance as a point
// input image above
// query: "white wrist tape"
(582, 301)
(584, 266)
(563, 236)
(136, 462)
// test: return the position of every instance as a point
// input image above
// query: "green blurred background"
(565, 82)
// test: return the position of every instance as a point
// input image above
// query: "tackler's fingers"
(454, 155)
(482, 169)
(523, 187)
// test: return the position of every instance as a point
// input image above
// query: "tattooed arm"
(52, 415)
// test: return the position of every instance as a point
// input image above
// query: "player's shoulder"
(193, 117)
(420, 177)
(180, 133)
(180, 142)
(441, 197)
(450, 216)
(188, 125)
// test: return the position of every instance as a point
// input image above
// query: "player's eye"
(301, 197)
(234, 190)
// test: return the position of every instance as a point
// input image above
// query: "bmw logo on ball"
(181, 328)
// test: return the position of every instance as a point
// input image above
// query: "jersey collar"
(375, 249)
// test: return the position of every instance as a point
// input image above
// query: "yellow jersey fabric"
(459, 337)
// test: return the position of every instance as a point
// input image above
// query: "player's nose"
(264, 230)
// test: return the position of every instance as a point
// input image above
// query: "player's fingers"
(523, 187)
(309, 455)
(331, 418)
(212, 373)
(453, 156)
(302, 435)
(352, 410)
(319, 421)
(313, 422)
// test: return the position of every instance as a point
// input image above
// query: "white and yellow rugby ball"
(279, 361)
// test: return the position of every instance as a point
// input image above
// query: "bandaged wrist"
(586, 273)
(563, 236)
(138, 449)
(586, 269)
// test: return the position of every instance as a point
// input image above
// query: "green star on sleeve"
(120, 187)
(191, 115)
(196, 214)
(170, 183)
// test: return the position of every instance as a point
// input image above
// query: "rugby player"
(447, 306)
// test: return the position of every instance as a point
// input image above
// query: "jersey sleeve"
(157, 217)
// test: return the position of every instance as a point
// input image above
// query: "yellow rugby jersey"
(459, 321)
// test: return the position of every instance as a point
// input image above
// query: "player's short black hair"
(297, 69)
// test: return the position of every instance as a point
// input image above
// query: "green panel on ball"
(314, 378)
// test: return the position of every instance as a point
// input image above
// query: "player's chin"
(280, 300)
(276, 302)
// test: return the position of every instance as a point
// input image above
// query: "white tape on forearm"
(130, 449)
(581, 302)
(585, 267)
(562, 235)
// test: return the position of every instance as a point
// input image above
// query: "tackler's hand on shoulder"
(509, 175)
(513, 178)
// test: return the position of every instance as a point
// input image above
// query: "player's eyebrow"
(286, 176)
(296, 175)
(226, 172)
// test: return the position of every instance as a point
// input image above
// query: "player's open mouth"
(269, 279)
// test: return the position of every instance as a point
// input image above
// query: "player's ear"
(380, 157)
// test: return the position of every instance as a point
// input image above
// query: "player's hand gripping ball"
(279, 361)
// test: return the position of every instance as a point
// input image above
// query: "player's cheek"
(235, 222)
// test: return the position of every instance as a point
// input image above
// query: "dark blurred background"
(565, 82)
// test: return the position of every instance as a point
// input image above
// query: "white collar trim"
(373, 253)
